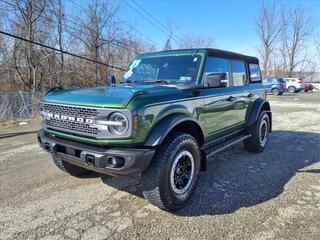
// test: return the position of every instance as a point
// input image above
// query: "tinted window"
(238, 72)
(180, 69)
(216, 65)
(255, 74)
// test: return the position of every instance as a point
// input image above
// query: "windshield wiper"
(158, 81)
(129, 81)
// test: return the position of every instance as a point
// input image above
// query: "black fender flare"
(259, 105)
(165, 126)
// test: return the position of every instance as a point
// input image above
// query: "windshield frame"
(193, 52)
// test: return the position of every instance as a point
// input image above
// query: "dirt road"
(272, 195)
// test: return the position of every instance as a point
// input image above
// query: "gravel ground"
(272, 195)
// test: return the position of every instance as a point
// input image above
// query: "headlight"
(120, 123)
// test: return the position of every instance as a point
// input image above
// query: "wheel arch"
(258, 106)
(173, 123)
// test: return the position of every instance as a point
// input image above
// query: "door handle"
(250, 95)
(231, 99)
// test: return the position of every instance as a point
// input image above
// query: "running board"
(224, 145)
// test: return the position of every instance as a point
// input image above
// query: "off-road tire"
(157, 188)
(254, 143)
(69, 168)
(292, 89)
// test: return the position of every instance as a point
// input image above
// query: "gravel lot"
(272, 195)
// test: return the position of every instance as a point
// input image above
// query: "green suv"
(171, 111)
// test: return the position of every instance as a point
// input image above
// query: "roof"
(212, 52)
(227, 54)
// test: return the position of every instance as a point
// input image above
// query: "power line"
(114, 42)
(155, 19)
(58, 50)
(148, 19)
(128, 25)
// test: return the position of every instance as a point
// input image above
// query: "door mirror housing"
(111, 79)
(216, 80)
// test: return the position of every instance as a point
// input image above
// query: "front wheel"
(171, 178)
(291, 89)
(68, 168)
(259, 134)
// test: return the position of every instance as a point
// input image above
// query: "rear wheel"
(259, 134)
(171, 178)
(69, 168)
(292, 89)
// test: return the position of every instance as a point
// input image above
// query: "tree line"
(287, 39)
(95, 30)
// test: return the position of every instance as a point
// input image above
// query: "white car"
(294, 84)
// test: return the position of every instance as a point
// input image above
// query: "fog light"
(115, 162)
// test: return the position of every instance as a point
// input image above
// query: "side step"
(224, 145)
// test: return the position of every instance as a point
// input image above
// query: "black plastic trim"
(164, 127)
(136, 160)
(253, 114)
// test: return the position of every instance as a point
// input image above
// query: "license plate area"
(90, 159)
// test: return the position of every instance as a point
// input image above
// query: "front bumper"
(97, 159)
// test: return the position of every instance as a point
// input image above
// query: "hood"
(117, 96)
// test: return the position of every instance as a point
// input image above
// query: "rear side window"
(238, 72)
(255, 74)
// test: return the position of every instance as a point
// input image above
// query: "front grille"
(71, 126)
(78, 120)
(70, 110)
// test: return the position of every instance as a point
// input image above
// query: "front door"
(224, 108)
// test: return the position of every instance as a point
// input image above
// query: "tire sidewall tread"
(156, 179)
(252, 144)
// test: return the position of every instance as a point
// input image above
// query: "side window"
(238, 72)
(217, 66)
(255, 74)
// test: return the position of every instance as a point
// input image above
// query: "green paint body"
(209, 106)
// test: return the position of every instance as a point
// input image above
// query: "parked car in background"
(274, 85)
(294, 84)
(308, 87)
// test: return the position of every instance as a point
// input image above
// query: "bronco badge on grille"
(70, 118)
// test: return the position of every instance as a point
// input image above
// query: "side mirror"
(111, 80)
(216, 80)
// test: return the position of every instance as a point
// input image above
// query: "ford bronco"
(169, 113)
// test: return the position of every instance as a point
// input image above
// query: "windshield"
(168, 69)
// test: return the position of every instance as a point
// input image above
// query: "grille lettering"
(70, 118)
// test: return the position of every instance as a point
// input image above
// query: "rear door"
(242, 94)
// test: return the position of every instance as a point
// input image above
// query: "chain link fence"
(18, 105)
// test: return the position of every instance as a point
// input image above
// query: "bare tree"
(268, 28)
(295, 35)
(100, 30)
(170, 29)
(56, 15)
(28, 59)
(192, 41)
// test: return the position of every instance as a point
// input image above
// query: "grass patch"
(12, 123)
